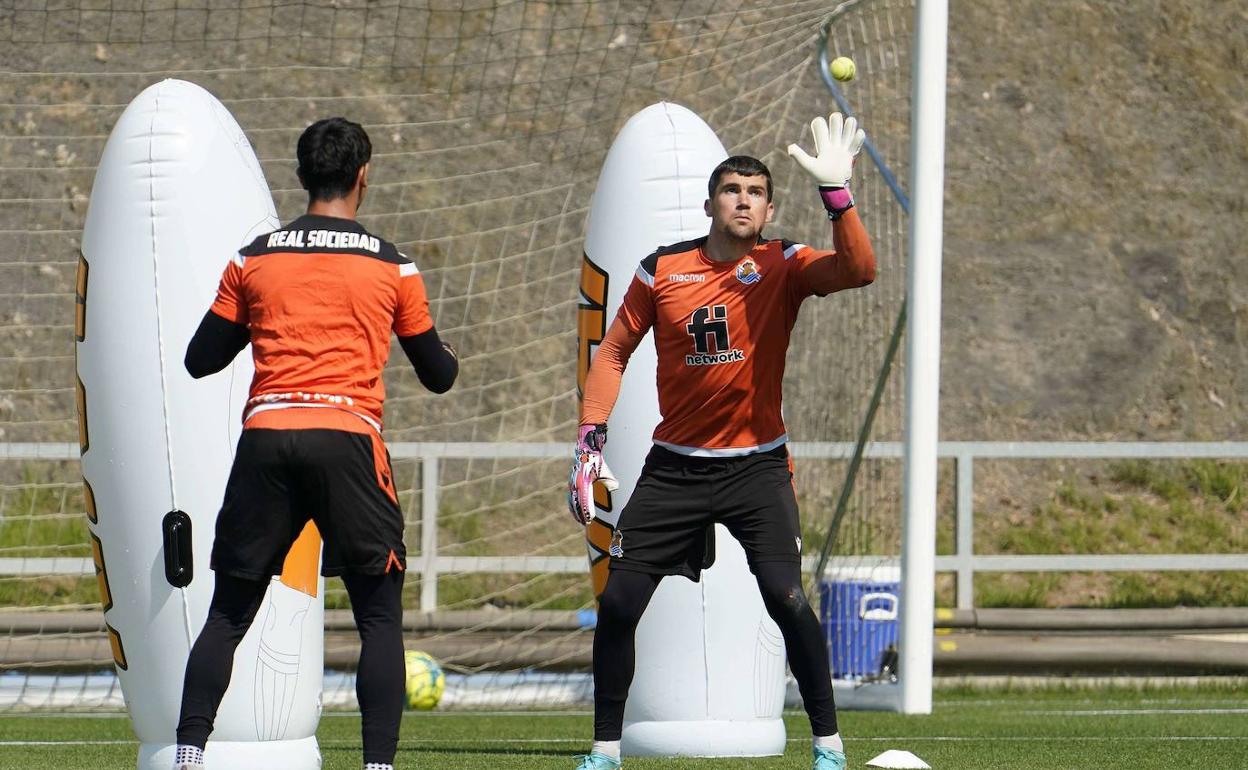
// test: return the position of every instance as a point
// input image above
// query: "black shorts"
(666, 527)
(338, 479)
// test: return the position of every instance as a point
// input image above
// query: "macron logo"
(686, 278)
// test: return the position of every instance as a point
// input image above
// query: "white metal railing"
(964, 562)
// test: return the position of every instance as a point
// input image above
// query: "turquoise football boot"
(596, 761)
(829, 759)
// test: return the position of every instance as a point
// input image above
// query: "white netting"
(489, 120)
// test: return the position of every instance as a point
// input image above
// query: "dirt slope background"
(1096, 280)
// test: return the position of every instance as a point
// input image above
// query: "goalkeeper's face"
(741, 206)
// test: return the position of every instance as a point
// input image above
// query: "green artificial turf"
(1044, 730)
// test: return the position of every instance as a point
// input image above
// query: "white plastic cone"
(901, 760)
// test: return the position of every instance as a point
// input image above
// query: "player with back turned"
(317, 300)
(721, 308)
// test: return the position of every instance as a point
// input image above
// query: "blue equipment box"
(859, 610)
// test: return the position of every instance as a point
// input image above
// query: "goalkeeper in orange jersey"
(722, 308)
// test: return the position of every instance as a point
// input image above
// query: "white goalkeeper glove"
(588, 467)
(837, 142)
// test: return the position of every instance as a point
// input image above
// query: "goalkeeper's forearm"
(852, 264)
(602, 385)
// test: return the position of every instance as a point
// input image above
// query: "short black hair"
(331, 153)
(739, 164)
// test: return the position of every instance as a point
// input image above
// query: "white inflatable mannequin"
(178, 190)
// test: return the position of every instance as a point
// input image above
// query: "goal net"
(490, 120)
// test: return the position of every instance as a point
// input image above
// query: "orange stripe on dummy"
(591, 316)
(119, 652)
(599, 534)
(301, 570)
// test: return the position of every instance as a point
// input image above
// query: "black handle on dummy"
(179, 558)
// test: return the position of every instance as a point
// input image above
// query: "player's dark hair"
(331, 153)
(739, 164)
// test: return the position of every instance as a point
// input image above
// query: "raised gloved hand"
(588, 467)
(837, 142)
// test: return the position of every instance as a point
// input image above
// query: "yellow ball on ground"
(843, 68)
(425, 680)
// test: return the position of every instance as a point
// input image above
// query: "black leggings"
(376, 601)
(625, 599)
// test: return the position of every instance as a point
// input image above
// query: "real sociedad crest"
(747, 272)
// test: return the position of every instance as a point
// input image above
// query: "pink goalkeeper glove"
(588, 467)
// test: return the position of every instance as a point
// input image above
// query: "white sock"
(606, 748)
(378, 766)
(187, 755)
(833, 742)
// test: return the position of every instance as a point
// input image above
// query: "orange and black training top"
(721, 332)
(320, 298)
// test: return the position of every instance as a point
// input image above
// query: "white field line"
(875, 739)
(1176, 707)
(1131, 712)
(473, 713)
(111, 714)
(1043, 739)
(334, 714)
(1176, 703)
(69, 743)
(880, 739)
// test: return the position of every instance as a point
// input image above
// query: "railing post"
(429, 533)
(964, 529)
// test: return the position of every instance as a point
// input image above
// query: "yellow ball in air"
(843, 69)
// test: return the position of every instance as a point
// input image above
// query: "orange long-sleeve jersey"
(721, 333)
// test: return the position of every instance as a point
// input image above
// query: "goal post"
(918, 552)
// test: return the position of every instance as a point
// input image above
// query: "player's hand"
(588, 467)
(837, 142)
